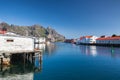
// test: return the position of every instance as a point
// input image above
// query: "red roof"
(109, 38)
(88, 36)
(2, 32)
(85, 37)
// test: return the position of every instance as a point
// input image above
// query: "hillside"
(34, 30)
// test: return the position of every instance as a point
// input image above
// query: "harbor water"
(64, 61)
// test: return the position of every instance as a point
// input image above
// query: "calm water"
(62, 61)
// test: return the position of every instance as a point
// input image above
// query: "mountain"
(34, 30)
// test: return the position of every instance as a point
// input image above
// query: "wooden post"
(24, 55)
(27, 56)
(10, 58)
(40, 61)
(40, 57)
(1, 61)
(33, 57)
(1, 64)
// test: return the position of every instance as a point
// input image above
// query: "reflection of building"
(28, 76)
(38, 62)
(50, 48)
(22, 65)
(97, 50)
(93, 50)
(88, 50)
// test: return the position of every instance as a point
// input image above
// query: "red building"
(3, 30)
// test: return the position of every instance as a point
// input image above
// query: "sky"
(71, 18)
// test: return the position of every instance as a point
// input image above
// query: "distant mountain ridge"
(34, 30)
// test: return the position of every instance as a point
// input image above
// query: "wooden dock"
(5, 56)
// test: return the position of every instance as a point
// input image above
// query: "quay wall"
(101, 44)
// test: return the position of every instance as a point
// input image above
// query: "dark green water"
(62, 61)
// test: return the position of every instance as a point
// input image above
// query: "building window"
(10, 40)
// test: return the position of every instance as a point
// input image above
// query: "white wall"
(42, 40)
(89, 40)
(40, 46)
(19, 44)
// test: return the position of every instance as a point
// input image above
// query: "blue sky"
(72, 18)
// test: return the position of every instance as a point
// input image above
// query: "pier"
(25, 60)
(19, 46)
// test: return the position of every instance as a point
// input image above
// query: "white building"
(87, 39)
(108, 40)
(40, 40)
(12, 44)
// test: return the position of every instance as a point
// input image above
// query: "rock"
(34, 30)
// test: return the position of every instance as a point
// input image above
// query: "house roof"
(109, 38)
(2, 32)
(85, 37)
(88, 36)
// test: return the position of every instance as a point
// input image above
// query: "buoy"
(112, 50)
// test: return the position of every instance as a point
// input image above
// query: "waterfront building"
(40, 40)
(108, 40)
(3, 30)
(11, 44)
(87, 39)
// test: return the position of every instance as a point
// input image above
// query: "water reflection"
(50, 49)
(98, 50)
(38, 62)
(40, 46)
(22, 68)
(26, 68)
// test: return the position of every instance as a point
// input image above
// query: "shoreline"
(104, 45)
